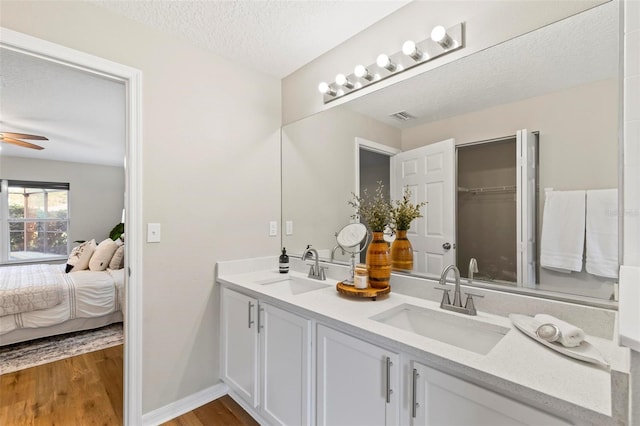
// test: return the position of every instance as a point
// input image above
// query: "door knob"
(446, 246)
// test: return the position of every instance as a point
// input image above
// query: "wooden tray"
(372, 293)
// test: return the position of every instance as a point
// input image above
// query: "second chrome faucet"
(468, 308)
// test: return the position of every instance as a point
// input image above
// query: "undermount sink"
(293, 285)
(465, 333)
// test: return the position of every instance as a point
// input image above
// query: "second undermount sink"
(465, 333)
(293, 285)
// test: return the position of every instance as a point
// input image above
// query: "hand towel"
(602, 233)
(570, 335)
(563, 224)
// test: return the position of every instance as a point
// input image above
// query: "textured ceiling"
(274, 36)
(82, 115)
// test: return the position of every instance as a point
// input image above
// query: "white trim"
(184, 405)
(133, 197)
(373, 147)
(247, 407)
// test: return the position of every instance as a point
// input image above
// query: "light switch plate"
(153, 232)
(273, 228)
(289, 227)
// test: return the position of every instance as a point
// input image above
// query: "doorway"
(131, 77)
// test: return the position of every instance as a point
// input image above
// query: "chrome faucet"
(316, 271)
(469, 308)
(473, 267)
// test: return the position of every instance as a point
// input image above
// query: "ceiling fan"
(15, 139)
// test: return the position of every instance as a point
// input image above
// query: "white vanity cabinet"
(357, 382)
(239, 335)
(441, 399)
(266, 358)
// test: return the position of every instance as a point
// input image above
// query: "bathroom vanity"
(295, 351)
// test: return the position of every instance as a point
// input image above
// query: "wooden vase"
(401, 252)
(379, 261)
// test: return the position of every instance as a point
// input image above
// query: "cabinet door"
(357, 382)
(285, 366)
(240, 344)
(441, 399)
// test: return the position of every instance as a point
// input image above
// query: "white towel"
(563, 219)
(570, 335)
(602, 232)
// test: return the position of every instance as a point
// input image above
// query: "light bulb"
(342, 80)
(384, 61)
(361, 71)
(325, 89)
(440, 36)
(410, 49)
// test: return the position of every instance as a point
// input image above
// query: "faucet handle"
(321, 273)
(445, 295)
(469, 305)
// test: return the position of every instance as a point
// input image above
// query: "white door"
(429, 173)
(357, 382)
(240, 344)
(439, 399)
(285, 341)
(526, 208)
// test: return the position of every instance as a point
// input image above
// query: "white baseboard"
(248, 408)
(184, 405)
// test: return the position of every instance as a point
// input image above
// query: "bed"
(42, 300)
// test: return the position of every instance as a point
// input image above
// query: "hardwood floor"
(81, 390)
(88, 390)
(221, 412)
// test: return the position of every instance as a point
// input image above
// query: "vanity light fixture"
(440, 36)
(385, 62)
(410, 49)
(361, 71)
(342, 80)
(325, 89)
(413, 53)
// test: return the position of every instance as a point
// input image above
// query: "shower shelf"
(488, 189)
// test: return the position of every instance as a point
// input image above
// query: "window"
(35, 221)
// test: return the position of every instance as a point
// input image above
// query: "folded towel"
(563, 219)
(602, 233)
(570, 335)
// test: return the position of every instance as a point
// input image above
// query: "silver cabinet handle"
(414, 390)
(260, 310)
(389, 390)
(250, 309)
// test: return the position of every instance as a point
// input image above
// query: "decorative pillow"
(117, 261)
(103, 254)
(80, 256)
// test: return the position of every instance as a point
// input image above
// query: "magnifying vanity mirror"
(553, 92)
(352, 239)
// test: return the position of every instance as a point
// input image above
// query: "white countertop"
(516, 364)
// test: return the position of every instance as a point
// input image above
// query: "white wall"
(211, 177)
(487, 23)
(318, 174)
(96, 197)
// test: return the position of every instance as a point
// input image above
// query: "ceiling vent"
(402, 116)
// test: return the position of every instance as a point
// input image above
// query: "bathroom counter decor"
(365, 293)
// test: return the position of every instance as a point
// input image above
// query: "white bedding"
(26, 288)
(87, 294)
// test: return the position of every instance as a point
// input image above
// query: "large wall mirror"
(556, 88)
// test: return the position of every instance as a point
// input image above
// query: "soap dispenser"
(284, 261)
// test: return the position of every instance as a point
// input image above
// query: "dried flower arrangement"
(404, 212)
(375, 210)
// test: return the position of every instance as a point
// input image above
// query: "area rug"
(48, 349)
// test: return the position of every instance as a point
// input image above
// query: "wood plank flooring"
(81, 390)
(88, 390)
(221, 412)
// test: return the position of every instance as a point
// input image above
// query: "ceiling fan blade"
(23, 136)
(20, 143)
